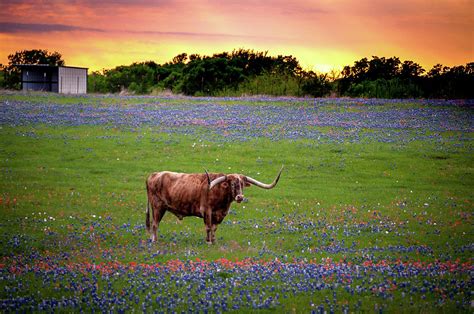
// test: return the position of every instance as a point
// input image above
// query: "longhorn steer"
(206, 195)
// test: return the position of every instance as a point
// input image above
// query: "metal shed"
(58, 79)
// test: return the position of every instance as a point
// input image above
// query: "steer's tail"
(148, 216)
(148, 209)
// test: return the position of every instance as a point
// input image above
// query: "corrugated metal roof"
(48, 66)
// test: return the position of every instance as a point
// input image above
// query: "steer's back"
(180, 192)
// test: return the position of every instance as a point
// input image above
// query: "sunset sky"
(322, 35)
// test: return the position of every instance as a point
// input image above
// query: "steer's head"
(235, 183)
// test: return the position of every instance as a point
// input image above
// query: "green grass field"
(75, 195)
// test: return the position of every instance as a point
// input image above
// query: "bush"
(276, 84)
(382, 88)
(97, 83)
(316, 85)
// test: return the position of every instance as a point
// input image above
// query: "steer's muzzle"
(239, 198)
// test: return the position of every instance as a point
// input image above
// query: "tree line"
(228, 73)
(249, 72)
(391, 78)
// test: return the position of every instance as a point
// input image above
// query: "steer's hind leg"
(208, 223)
(159, 211)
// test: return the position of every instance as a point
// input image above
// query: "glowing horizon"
(322, 35)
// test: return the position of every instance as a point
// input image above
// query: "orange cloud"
(321, 35)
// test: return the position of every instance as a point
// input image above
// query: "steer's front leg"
(213, 233)
(209, 235)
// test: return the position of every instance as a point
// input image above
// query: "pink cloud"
(327, 32)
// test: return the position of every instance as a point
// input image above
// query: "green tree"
(209, 75)
(455, 82)
(181, 58)
(97, 83)
(315, 85)
(410, 69)
(36, 56)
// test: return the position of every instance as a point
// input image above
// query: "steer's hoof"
(209, 243)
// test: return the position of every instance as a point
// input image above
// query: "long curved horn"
(208, 178)
(217, 181)
(263, 185)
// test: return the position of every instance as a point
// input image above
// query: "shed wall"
(72, 80)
